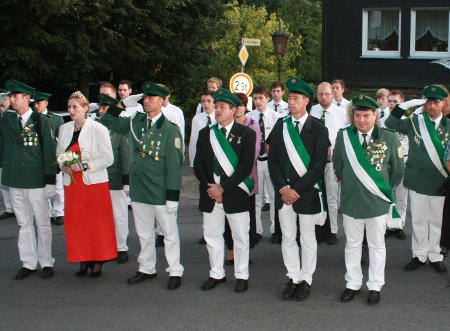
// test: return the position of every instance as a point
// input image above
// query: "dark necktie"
(20, 123)
(263, 134)
(322, 119)
(208, 121)
(382, 114)
(339, 104)
(149, 123)
(276, 108)
(364, 144)
(297, 123)
(224, 131)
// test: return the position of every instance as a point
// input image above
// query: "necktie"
(276, 108)
(149, 123)
(224, 131)
(297, 123)
(208, 121)
(339, 104)
(263, 134)
(322, 119)
(382, 114)
(364, 144)
(20, 123)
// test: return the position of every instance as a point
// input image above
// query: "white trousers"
(6, 196)
(56, 204)
(26, 204)
(426, 215)
(401, 200)
(264, 181)
(144, 219)
(354, 235)
(213, 229)
(120, 211)
(333, 190)
(266, 194)
(289, 247)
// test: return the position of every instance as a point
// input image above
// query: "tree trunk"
(83, 83)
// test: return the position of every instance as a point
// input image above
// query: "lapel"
(307, 135)
(234, 137)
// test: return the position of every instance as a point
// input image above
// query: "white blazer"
(96, 150)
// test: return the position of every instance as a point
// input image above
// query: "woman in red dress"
(89, 222)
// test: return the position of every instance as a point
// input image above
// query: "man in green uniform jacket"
(29, 169)
(155, 179)
(425, 173)
(56, 204)
(4, 106)
(369, 162)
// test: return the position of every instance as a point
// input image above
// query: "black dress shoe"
(388, 233)
(332, 240)
(400, 234)
(373, 297)
(212, 282)
(444, 251)
(6, 215)
(23, 273)
(174, 282)
(59, 220)
(348, 294)
(266, 207)
(122, 257)
(202, 241)
(275, 239)
(258, 237)
(159, 242)
(229, 262)
(413, 264)
(302, 291)
(47, 272)
(439, 266)
(140, 277)
(289, 291)
(241, 285)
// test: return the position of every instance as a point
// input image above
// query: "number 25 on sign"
(241, 83)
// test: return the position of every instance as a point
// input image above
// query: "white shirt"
(383, 114)
(335, 119)
(199, 109)
(228, 128)
(361, 138)
(343, 103)
(282, 107)
(302, 121)
(270, 118)
(175, 115)
(25, 117)
(199, 121)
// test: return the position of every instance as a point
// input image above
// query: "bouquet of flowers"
(68, 158)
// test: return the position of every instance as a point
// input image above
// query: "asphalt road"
(409, 300)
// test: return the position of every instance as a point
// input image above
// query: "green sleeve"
(117, 124)
(48, 150)
(174, 162)
(125, 158)
(397, 164)
(337, 154)
(395, 122)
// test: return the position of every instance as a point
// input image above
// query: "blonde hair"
(80, 97)
(383, 92)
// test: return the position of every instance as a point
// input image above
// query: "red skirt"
(88, 220)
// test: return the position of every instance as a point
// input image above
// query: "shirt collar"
(437, 121)
(26, 116)
(369, 134)
(156, 118)
(302, 119)
(228, 127)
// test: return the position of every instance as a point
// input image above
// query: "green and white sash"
(432, 143)
(227, 157)
(370, 177)
(300, 160)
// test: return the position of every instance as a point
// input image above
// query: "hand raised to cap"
(132, 100)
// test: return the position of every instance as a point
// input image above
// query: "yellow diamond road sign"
(243, 55)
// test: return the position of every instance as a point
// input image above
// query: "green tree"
(249, 21)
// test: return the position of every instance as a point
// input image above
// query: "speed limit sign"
(241, 83)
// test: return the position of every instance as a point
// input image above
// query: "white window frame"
(379, 54)
(412, 42)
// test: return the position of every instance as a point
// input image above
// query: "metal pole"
(280, 67)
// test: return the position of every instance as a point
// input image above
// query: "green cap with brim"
(363, 102)
(39, 96)
(14, 86)
(225, 95)
(152, 89)
(296, 85)
(104, 99)
(434, 92)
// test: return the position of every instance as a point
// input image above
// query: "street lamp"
(279, 39)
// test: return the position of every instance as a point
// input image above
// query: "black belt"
(263, 158)
(330, 161)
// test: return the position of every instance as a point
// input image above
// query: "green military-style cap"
(151, 88)
(296, 85)
(39, 96)
(363, 102)
(104, 99)
(14, 86)
(3, 91)
(434, 92)
(225, 95)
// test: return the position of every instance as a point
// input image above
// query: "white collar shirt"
(383, 114)
(335, 119)
(282, 107)
(175, 115)
(343, 103)
(199, 121)
(25, 117)
(270, 118)
(361, 138)
(302, 121)
(228, 128)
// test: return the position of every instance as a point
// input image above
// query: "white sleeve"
(195, 128)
